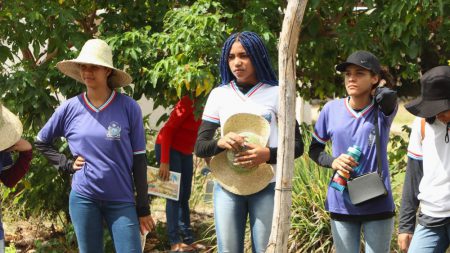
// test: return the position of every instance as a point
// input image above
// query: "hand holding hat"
(252, 156)
(228, 169)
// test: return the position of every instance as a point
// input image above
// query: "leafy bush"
(310, 226)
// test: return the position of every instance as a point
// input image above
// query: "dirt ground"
(25, 233)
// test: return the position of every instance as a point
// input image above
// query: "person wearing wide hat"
(105, 133)
(10, 140)
(427, 179)
(245, 106)
(348, 122)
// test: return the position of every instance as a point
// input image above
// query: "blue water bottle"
(340, 178)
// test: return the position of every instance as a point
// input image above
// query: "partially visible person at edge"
(248, 82)
(350, 121)
(10, 141)
(173, 149)
(427, 179)
(105, 133)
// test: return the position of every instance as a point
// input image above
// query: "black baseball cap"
(363, 59)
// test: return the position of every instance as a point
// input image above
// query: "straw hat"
(238, 180)
(10, 128)
(96, 52)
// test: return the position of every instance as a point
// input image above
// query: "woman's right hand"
(403, 241)
(164, 171)
(344, 163)
(232, 141)
(78, 163)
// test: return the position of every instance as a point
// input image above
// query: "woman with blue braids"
(249, 86)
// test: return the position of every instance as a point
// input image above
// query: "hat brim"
(343, 66)
(427, 108)
(71, 68)
(10, 129)
(247, 122)
(240, 183)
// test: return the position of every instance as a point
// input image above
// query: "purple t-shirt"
(345, 127)
(107, 137)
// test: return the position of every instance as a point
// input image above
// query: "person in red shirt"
(10, 141)
(173, 150)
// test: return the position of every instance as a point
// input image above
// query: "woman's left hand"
(146, 224)
(253, 156)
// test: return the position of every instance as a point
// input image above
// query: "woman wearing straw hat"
(245, 106)
(350, 124)
(10, 140)
(427, 179)
(105, 134)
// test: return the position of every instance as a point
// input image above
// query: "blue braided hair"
(259, 57)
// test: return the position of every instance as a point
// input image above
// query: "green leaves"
(5, 54)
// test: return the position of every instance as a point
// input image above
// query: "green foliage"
(408, 36)
(65, 242)
(398, 151)
(10, 249)
(310, 222)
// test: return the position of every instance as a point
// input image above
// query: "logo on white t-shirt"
(113, 131)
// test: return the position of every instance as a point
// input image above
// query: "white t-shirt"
(434, 187)
(227, 100)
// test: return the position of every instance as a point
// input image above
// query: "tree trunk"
(278, 241)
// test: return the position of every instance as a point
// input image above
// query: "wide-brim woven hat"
(10, 128)
(95, 52)
(236, 179)
(435, 93)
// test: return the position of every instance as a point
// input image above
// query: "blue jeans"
(377, 235)
(230, 216)
(121, 218)
(177, 212)
(433, 239)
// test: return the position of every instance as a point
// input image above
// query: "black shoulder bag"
(368, 186)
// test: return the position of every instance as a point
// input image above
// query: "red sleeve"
(11, 176)
(178, 115)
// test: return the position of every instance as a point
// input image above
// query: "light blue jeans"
(2, 246)
(435, 239)
(377, 235)
(178, 212)
(121, 218)
(230, 216)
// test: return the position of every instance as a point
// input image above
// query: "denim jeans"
(430, 239)
(2, 246)
(377, 235)
(230, 216)
(177, 212)
(121, 218)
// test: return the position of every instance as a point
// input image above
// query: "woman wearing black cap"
(427, 180)
(350, 122)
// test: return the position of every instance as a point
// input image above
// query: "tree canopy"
(172, 48)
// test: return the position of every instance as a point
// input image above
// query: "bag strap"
(377, 141)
